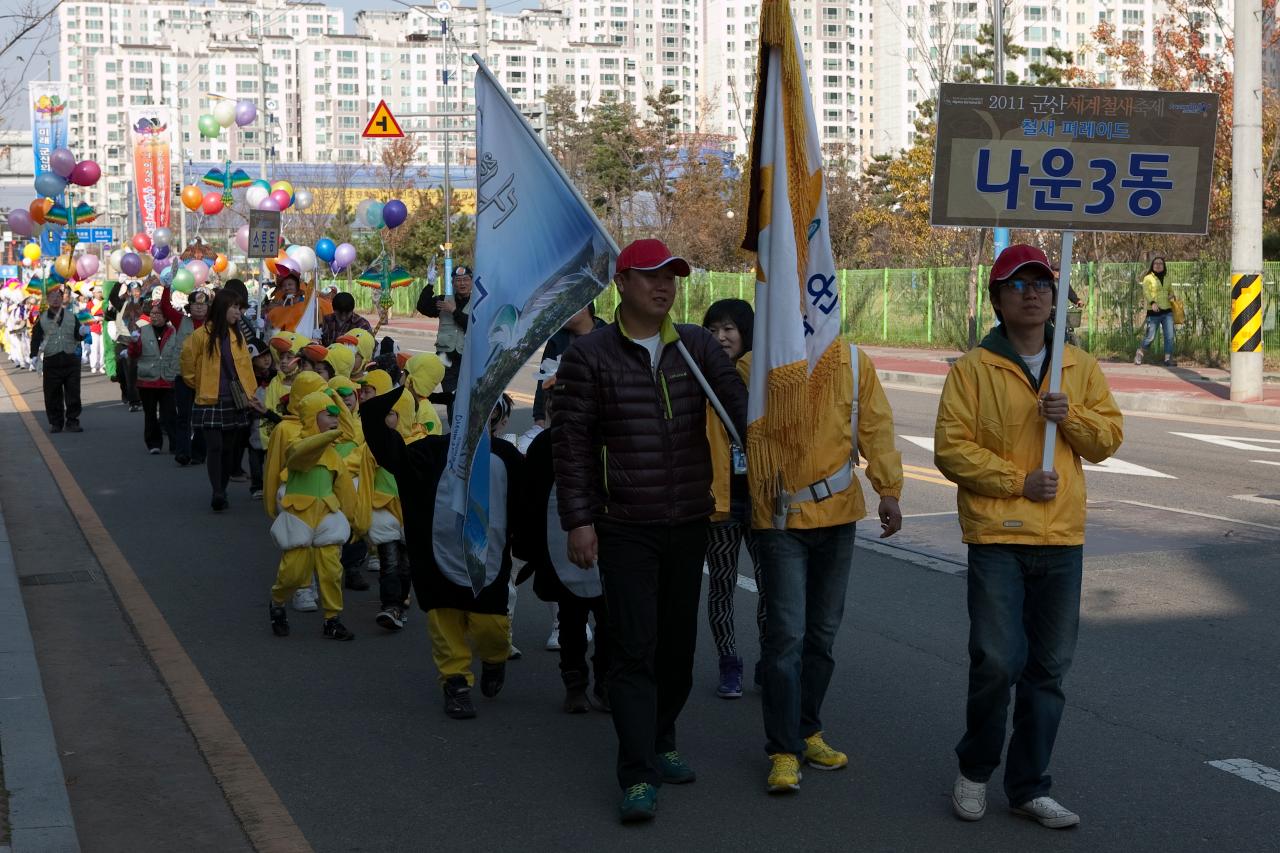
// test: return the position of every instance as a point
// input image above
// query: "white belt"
(818, 492)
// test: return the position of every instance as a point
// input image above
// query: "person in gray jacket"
(60, 333)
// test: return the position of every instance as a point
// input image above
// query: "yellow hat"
(379, 380)
(305, 384)
(341, 360)
(343, 385)
(365, 344)
(425, 370)
(311, 407)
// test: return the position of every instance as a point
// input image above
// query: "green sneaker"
(674, 770)
(639, 803)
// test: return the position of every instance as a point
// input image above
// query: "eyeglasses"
(1039, 285)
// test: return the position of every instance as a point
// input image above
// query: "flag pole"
(1059, 340)
(545, 150)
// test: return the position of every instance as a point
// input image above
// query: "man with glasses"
(1024, 528)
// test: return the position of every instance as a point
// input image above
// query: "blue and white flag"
(541, 255)
(50, 127)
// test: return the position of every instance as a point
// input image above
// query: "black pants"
(573, 638)
(127, 373)
(448, 385)
(62, 389)
(221, 445)
(652, 576)
(188, 445)
(158, 415)
(394, 579)
(256, 459)
(353, 554)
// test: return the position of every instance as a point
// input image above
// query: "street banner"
(796, 354)
(541, 255)
(1074, 159)
(49, 131)
(152, 175)
(264, 234)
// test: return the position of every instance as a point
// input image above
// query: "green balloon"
(209, 126)
(183, 280)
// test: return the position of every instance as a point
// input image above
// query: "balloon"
(269, 203)
(86, 173)
(212, 202)
(283, 186)
(130, 264)
(230, 271)
(87, 266)
(256, 193)
(31, 252)
(159, 253)
(220, 263)
(191, 197)
(166, 275)
(344, 255)
(282, 198)
(303, 256)
(199, 271)
(245, 112)
(208, 125)
(394, 213)
(141, 242)
(302, 199)
(38, 209)
(361, 209)
(161, 237)
(224, 113)
(62, 161)
(373, 215)
(325, 248)
(242, 237)
(287, 264)
(26, 262)
(183, 280)
(50, 185)
(21, 223)
(64, 266)
(113, 260)
(148, 264)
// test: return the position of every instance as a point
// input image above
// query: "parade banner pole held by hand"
(1044, 157)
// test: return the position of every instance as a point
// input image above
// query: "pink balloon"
(199, 271)
(269, 203)
(288, 264)
(282, 198)
(242, 238)
(86, 173)
(87, 266)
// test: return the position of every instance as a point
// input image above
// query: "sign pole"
(1246, 206)
(1059, 340)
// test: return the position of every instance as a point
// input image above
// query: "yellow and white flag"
(796, 357)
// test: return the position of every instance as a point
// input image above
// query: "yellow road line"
(270, 827)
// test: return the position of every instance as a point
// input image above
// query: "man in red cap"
(633, 485)
(1024, 528)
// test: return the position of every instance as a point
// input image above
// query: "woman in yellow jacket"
(1024, 527)
(1158, 296)
(216, 364)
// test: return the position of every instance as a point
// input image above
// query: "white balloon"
(161, 237)
(255, 195)
(303, 256)
(360, 209)
(302, 199)
(225, 113)
(230, 271)
(114, 258)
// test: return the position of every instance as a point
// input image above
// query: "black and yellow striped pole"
(1246, 336)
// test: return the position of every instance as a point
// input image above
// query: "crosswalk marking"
(1256, 445)
(1259, 774)
(1108, 466)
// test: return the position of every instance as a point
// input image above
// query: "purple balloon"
(130, 264)
(343, 256)
(160, 253)
(62, 162)
(20, 222)
(269, 203)
(394, 213)
(246, 112)
(86, 173)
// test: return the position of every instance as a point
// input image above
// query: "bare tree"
(23, 27)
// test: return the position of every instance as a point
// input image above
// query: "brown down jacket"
(631, 442)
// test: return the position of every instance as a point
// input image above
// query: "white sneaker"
(968, 798)
(372, 563)
(553, 641)
(1048, 812)
(304, 600)
(590, 634)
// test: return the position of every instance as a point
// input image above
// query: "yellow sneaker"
(785, 773)
(818, 753)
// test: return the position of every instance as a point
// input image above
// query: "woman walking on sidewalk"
(1159, 301)
(221, 372)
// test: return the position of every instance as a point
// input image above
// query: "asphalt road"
(1176, 668)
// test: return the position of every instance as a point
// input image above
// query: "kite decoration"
(227, 179)
(384, 277)
(71, 215)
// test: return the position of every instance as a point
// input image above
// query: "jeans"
(1024, 616)
(806, 578)
(61, 383)
(157, 417)
(1164, 322)
(652, 577)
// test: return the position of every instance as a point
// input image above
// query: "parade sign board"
(49, 122)
(264, 233)
(1074, 159)
(151, 175)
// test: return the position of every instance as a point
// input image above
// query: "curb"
(1130, 401)
(39, 808)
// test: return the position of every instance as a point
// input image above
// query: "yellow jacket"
(989, 436)
(1157, 291)
(201, 369)
(721, 456)
(833, 447)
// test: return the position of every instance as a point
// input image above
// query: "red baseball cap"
(1015, 258)
(650, 255)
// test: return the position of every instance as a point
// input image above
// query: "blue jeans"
(805, 576)
(1164, 322)
(1024, 616)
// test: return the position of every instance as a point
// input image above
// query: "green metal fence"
(928, 307)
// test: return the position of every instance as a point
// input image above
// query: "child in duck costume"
(284, 347)
(317, 514)
(456, 616)
(423, 373)
(386, 524)
(351, 448)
